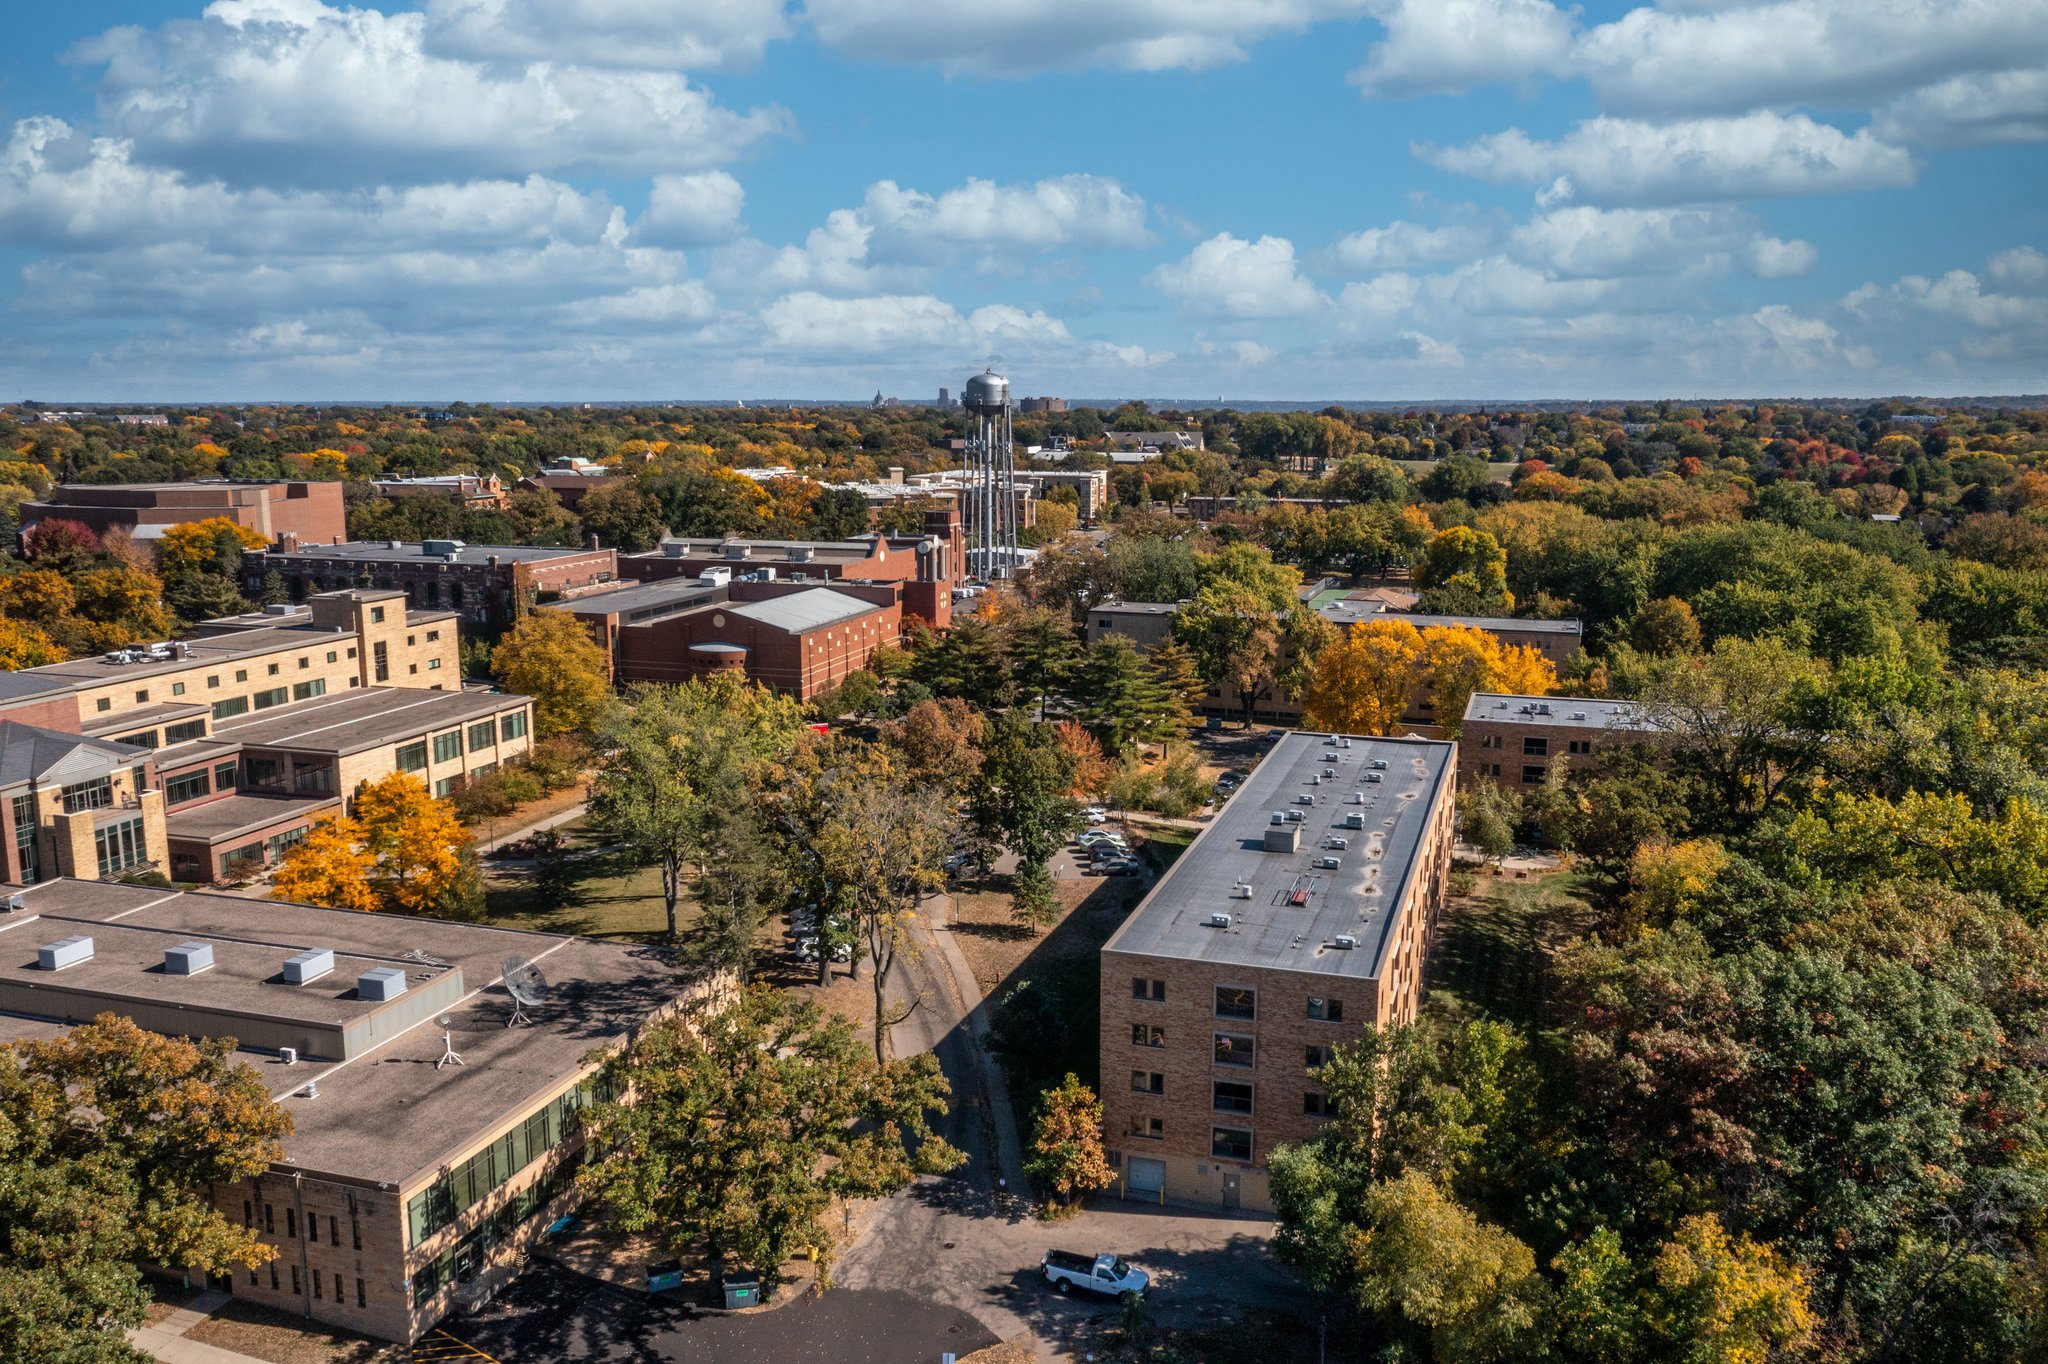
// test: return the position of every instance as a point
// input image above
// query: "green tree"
(1470, 1289)
(1043, 652)
(1023, 800)
(969, 661)
(1464, 572)
(551, 657)
(621, 515)
(743, 1126)
(1120, 697)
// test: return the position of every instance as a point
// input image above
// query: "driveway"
(550, 1314)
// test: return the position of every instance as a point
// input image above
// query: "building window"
(332, 657)
(513, 726)
(144, 739)
(1490, 740)
(1148, 1129)
(334, 1238)
(295, 1279)
(89, 795)
(412, 757)
(312, 779)
(433, 664)
(270, 1223)
(191, 786)
(444, 787)
(177, 688)
(273, 1276)
(272, 672)
(248, 1213)
(1325, 1010)
(291, 1226)
(1228, 1096)
(1230, 1143)
(1315, 1057)
(1580, 747)
(104, 704)
(1145, 1035)
(225, 776)
(1317, 1106)
(448, 747)
(514, 1149)
(482, 736)
(1234, 1049)
(412, 670)
(213, 681)
(28, 854)
(376, 615)
(233, 706)
(277, 845)
(241, 674)
(433, 635)
(266, 774)
(1234, 1001)
(1154, 990)
(1535, 748)
(275, 696)
(361, 1301)
(142, 698)
(186, 732)
(1147, 1082)
(313, 1227)
(1533, 775)
(306, 691)
(305, 663)
(381, 661)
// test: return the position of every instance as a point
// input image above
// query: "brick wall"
(1516, 752)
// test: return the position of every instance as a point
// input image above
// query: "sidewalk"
(166, 1340)
(974, 1012)
(573, 812)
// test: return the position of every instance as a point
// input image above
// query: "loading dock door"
(1146, 1178)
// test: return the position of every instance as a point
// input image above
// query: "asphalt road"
(550, 1314)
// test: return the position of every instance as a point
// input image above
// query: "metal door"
(1145, 1178)
(1230, 1193)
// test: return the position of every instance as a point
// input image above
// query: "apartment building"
(1301, 913)
(1514, 739)
(426, 1157)
(225, 747)
(484, 584)
(305, 510)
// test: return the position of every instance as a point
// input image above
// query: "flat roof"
(812, 609)
(364, 717)
(97, 670)
(385, 551)
(1136, 608)
(1355, 898)
(1565, 712)
(639, 597)
(218, 819)
(1354, 610)
(387, 1115)
(145, 716)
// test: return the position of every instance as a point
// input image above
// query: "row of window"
(1537, 748)
(263, 854)
(1225, 1143)
(1231, 1049)
(106, 703)
(466, 1257)
(362, 1293)
(512, 1151)
(448, 747)
(120, 846)
(291, 1223)
(1225, 1096)
(1238, 1001)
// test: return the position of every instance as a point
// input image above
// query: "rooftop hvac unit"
(64, 952)
(1343, 942)
(1219, 921)
(279, 608)
(14, 904)
(1279, 817)
(1241, 891)
(1379, 764)
(303, 968)
(188, 959)
(1578, 715)
(381, 984)
(1343, 743)
(288, 1055)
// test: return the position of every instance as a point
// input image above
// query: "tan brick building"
(1514, 739)
(307, 511)
(1300, 914)
(484, 584)
(407, 1187)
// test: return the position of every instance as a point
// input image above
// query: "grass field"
(1491, 948)
(1416, 468)
(608, 896)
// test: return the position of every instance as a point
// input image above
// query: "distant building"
(479, 492)
(570, 482)
(801, 639)
(310, 512)
(1299, 916)
(1153, 441)
(408, 1188)
(1040, 405)
(1514, 739)
(483, 583)
(1147, 624)
(945, 397)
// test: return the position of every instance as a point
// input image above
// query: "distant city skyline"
(1403, 200)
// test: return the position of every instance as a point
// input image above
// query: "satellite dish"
(527, 986)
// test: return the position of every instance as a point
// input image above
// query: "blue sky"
(1276, 199)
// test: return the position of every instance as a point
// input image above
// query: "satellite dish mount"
(527, 987)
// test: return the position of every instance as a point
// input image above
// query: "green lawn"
(1417, 468)
(608, 896)
(1490, 950)
(1167, 844)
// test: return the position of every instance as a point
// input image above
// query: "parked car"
(807, 950)
(1123, 866)
(1110, 1275)
(1102, 838)
(1229, 781)
(1095, 814)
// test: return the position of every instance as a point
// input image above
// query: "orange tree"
(403, 851)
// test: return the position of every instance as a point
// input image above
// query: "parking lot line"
(441, 1346)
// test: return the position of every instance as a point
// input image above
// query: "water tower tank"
(986, 392)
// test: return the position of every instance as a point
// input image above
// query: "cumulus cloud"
(1450, 46)
(2007, 106)
(890, 322)
(1070, 210)
(648, 35)
(1402, 245)
(691, 210)
(1231, 277)
(685, 301)
(2023, 269)
(1585, 241)
(1626, 162)
(293, 91)
(1776, 258)
(1018, 39)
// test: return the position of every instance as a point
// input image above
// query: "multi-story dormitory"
(195, 756)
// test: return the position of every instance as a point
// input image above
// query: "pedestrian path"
(166, 1340)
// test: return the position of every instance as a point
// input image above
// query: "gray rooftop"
(1357, 610)
(813, 609)
(31, 754)
(1565, 712)
(1136, 608)
(402, 551)
(360, 718)
(1356, 898)
(384, 1113)
(638, 601)
(218, 819)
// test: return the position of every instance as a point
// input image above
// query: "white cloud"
(1450, 46)
(2007, 106)
(1621, 161)
(1499, 286)
(812, 322)
(1023, 36)
(2023, 268)
(691, 210)
(293, 91)
(1431, 351)
(1378, 299)
(1402, 245)
(1071, 210)
(650, 35)
(684, 301)
(1232, 277)
(1587, 241)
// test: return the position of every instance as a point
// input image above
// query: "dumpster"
(664, 1276)
(742, 1290)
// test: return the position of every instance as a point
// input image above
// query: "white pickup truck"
(1108, 1274)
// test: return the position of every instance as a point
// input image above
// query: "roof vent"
(381, 984)
(188, 958)
(1343, 942)
(1219, 921)
(735, 549)
(1241, 891)
(1279, 817)
(14, 904)
(1578, 715)
(279, 608)
(64, 952)
(672, 549)
(288, 1055)
(305, 967)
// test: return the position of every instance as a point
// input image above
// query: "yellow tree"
(551, 657)
(1457, 660)
(1066, 1146)
(1522, 670)
(330, 867)
(40, 596)
(1362, 683)
(25, 646)
(214, 545)
(417, 841)
(1726, 1299)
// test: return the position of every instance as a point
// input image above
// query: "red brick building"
(309, 512)
(481, 582)
(801, 640)
(1513, 739)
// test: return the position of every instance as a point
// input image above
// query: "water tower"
(990, 469)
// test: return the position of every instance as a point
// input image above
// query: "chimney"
(896, 473)
(494, 563)
(593, 542)
(288, 541)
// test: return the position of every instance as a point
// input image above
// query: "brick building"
(606, 614)
(799, 639)
(570, 486)
(1147, 624)
(478, 492)
(1301, 913)
(481, 583)
(306, 511)
(407, 1188)
(228, 745)
(1513, 739)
